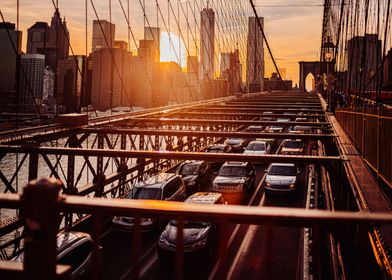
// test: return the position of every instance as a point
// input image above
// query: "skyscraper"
(105, 39)
(37, 37)
(31, 85)
(69, 81)
(207, 38)
(153, 33)
(364, 56)
(255, 56)
(9, 38)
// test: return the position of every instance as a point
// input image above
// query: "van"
(163, 186)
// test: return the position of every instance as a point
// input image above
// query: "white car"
(281, 178)
(292, 147)
(257, 148)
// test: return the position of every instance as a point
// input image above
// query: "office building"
(255, 56)
(31, 84)
(103, 35)
(37, 37)
(9, 38)
(360, 66)
(207, 38)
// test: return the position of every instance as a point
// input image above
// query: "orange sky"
(293, 32)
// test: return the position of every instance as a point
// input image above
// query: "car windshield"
(256, 147)
(293, 144)
(147, 193)
(283, 170)
(232, 171)
(216, 150)
(190, 224)
(190, 169)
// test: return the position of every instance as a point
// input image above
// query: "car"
(301, 119)
(274, 129)
(236, 144)
(257, 148)
(235, 180)
(218, 148)
(200, 238)
(281, 178)
(163, 186)
(292, 147)
(255, 128)
(300, 129)
(74, 248)
(266, 117)
(195, 174)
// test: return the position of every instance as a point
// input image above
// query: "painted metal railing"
(42, 206)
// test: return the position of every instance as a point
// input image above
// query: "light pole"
(328, 51)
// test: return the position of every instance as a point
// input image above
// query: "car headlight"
(268, 184)
(292, 186)
(199, 244)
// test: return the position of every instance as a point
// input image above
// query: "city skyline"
(279, 22)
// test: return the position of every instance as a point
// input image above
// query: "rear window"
(283, 170)
(256, 147)
(293, 144)
(76, 256)
(190, 169)
(232, 171)
(146, 193)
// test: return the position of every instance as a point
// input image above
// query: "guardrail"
(42, 207)
(370, 129)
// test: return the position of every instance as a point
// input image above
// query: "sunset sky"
(294, 32)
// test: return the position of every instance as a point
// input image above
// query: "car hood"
(189, 178)
(251, 152)
(229, 180)
(191, 235)
(280, 180)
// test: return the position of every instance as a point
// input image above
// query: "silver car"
(281, 178)
(257, 148)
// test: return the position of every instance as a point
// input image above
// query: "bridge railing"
(370, 129)
(41, 207)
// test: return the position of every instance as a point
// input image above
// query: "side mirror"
(265, 170)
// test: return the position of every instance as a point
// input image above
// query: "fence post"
(41, 218)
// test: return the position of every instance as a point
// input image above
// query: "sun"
(174, 50)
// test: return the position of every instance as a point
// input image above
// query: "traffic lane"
(117, 252)
(201, 269)
(272, 252)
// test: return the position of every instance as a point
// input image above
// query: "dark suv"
(218, 148)
(196, 175)
(163, 186)
(235, 180)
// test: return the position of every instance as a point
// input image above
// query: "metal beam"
(225, 134)
(245, 109)
(200, 113)
(178, 121)
(172, 155)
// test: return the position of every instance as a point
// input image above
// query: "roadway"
(253, 252)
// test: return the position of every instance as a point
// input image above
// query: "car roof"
(235, 163)
(282, 164)
(258, 141)
(217, 146)
(193, 162)
(156, 181)
(292, 140)
(204, 198)
(66, 239)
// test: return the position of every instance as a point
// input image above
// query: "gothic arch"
(306, 67)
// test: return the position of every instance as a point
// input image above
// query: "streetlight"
(328, 51)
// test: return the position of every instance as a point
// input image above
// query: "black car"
(195, 174)
(237, 144)
(218, 148)
(74, 249)
(200, 238)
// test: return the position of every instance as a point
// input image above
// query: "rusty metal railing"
(42, 205)
(370, 129)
